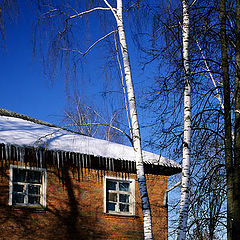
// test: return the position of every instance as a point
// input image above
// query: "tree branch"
(84, 53)
(85, 124)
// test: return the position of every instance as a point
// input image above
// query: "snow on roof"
(25, 133)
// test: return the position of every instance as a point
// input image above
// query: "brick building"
(56, 184)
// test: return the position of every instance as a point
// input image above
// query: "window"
(27, 186)
(119, 196)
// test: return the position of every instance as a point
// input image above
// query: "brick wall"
(75, 210)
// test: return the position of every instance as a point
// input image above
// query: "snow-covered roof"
(20, 132)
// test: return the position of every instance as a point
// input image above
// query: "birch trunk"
(147, 219)
(184, 204)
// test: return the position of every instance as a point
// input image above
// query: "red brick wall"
(75, 210)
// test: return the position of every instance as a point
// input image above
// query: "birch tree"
(184, 204)
(117, 12)
(147, 219)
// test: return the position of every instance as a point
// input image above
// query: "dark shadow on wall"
(50, 223)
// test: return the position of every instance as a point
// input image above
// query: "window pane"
(111, 185)
(33, 189)
(124, 198)
(124, 207)
(111, 206)
(124, 187)
(19, 175)
(34, 176)
(18, 188)
(34, 199)
(112, 197)
(18, 198)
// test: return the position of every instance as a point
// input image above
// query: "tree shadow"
(53, 222)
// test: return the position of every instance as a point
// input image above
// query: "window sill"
(115, 214)
(27, 206)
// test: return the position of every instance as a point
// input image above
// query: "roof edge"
(9, 113)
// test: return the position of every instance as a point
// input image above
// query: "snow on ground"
(21, 132)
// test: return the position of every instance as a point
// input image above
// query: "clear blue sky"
(27, 91)
(24, 88)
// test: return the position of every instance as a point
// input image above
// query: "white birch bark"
(147, 219)
(184, 204)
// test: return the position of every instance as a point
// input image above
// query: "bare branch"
(99, 41)
(210, 74)
(88, 11)
(84, 53)
(85, 124)
(112, 9)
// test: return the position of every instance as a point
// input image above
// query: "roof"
(21, 132)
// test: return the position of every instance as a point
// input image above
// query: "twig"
(84, 53)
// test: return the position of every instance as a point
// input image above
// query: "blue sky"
(26, 90)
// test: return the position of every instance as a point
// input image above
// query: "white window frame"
(43, 187)
(131, 199)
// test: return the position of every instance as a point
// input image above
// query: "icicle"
(3, 151)
(10, 152)
(112, 164)
(14, 155)
(101, 166)
(6, 152)
(36, 155)
(61, 159)
(57, 160)
(86, 161)
(2, 156)
(40, 157)
(17, 154)
(78, 165)
(109, 163)
(106, 163)
(89, 161)
(77, 160)
(105, 166)
(83, 161)
(80, 160)
(72, 160)
(22, 153)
